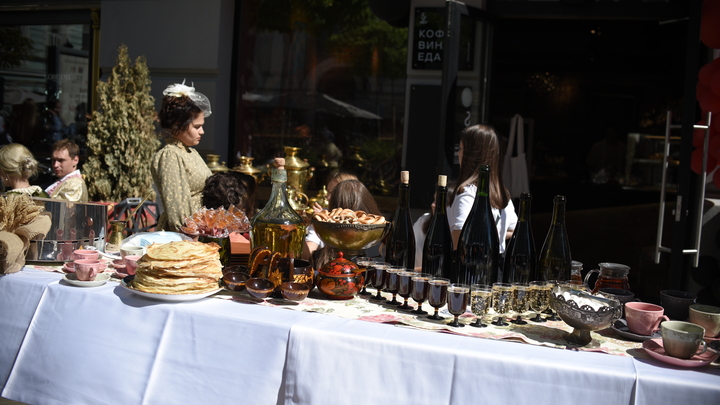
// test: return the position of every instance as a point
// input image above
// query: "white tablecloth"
(61, 344)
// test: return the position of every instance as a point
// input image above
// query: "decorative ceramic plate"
(166, 297)
(655, 348)
(620, 327)
(100, 279)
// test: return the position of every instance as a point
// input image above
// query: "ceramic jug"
(610, 275)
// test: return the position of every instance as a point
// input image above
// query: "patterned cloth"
(179, 172)
(71, 188)
(32, 191)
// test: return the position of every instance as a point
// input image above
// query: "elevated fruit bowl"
(350, 237)
(585, 313)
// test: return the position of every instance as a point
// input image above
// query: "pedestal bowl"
(585, 313)
(350, 237)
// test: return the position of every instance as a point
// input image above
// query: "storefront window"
(328, 77)
(44, 72)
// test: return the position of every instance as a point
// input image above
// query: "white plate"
(100, 279)
(145, 239)
(169, 297)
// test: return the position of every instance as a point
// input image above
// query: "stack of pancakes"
(183, 267)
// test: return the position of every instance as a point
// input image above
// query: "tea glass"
(438, 295)
(420, 290)
(480, 302)
(502, 301)
(521, 301)
(553, 315)
(379, 271)
(364, 263)
(457, 300)
(539, 298)
(405, 287)
(392, 283)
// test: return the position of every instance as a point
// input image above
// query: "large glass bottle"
(478, 246)
(555, 260)
(520, 256)
(278, 226)
(400, 240)
(438, 248)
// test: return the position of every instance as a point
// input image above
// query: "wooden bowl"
(259, 288)
(294, 291)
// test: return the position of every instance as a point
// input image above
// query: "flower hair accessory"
(199, 99)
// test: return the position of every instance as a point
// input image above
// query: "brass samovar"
(245, 166)
(299, 173)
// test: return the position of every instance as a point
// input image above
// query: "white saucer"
(100, 279)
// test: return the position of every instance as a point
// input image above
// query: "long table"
(61, 344)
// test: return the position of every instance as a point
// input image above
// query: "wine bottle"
(400, 240)
(278, 226)
(555, 259)
(438, 247)
(520, 256)
(478, 246)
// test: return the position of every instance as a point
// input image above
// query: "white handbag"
(515, 172)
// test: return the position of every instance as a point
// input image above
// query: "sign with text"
(429, 37)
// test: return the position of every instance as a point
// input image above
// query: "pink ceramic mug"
(86, 270)
(131, 264)
(644, 318)
(86, 254)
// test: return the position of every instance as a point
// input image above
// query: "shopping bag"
(515, 172)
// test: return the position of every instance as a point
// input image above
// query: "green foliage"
(121, 134)
(14, 47)
(373, 42)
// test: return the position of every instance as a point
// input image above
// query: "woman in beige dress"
(178, 170)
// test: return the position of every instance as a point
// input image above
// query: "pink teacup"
(131, 264)
(86, 270)
(644, 318)
(86, 254)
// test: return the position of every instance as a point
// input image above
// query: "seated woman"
(350, 194)
(17, 167)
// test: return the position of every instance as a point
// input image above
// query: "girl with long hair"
(479, 145)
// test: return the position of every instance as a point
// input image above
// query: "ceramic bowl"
(235, 269)
(350, 237)
(341, 286)
(585, 313)
(294, 291)
(259, 288)
(235, 280)
(677, 303)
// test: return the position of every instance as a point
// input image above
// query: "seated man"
(70, 186)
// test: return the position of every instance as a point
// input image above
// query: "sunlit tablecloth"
(61, 344)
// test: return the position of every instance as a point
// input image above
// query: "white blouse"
(459, 210)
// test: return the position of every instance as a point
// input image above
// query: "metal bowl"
(350, 237)
(584, 318)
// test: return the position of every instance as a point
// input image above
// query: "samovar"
(245, 166)
(214, 164)
(298, 174)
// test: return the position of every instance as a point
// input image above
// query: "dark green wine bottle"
(521, 264)
(438, 248)
(400, 240)
(478, 246)
(555, 259)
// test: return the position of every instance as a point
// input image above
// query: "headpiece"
(200, 100)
